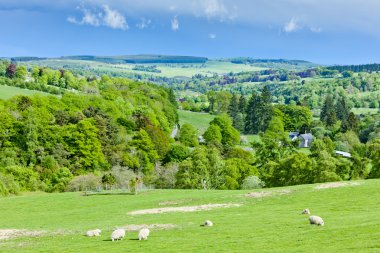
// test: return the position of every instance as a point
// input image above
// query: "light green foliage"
(230, 136)
(188, 135)
(252, 182)
(213, 134)
(84, 183)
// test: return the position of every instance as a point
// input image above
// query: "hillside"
(267, 220)
(7, 92)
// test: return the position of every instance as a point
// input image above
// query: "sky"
(320, 31)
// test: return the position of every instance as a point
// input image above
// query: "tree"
(21, 72)
(230, 136)
(213, 134)
(188, 135)
(328, 114)
(11, 70)
(351, 124)
(342, 109)
(259, 112)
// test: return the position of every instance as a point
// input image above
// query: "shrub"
(252, 182)
(84, 183)
(8, 185)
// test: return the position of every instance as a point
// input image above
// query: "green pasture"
(270, 223)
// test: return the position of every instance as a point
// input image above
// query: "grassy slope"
(269, 224)
(198, 120)
(8, 92)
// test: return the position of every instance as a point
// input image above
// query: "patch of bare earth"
(134, 227)
(336, 185)
(183, 209)
(15, 233)
(174, 202)
(263, 194)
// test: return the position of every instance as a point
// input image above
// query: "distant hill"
(273, 63)
(136, 59)
(356, 68)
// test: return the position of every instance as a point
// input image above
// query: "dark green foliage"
(177, 153)
(328, 113)
(259, 112)
(108, 179)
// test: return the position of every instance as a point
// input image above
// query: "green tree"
(328, 114)
(188, 135)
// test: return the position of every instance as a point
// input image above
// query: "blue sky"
(323, 31)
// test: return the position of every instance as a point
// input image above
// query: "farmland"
(264, 222)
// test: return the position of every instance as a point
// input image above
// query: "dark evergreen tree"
(328, 114)
(259, 112)
(242, 104)
(352, 123)
(342, 109)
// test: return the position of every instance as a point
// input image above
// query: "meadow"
(167, 70)
(199, 120)
(7, 92)
(267, 220)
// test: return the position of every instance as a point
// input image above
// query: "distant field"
(8, 92)
(365, 110)
(168, 70)
(270, 220)
(199, 120)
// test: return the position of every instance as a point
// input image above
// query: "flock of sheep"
(119, 233)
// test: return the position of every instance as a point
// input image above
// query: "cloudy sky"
(322, 31)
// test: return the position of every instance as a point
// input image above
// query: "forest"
(95, 132)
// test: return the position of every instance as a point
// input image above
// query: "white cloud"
(216, 9)
(114, 19)
(292, 26)
(89, 18)
(175, 23)
(212, 36)
(316, 29)
(106, 17)
(71, 19)
(144, 23)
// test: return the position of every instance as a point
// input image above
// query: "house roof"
(307, 136)
(342, 153)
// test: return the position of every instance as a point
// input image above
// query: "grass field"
(167, 70)
(198, 120)
(8, 92)
(359, 111)
(265, 224)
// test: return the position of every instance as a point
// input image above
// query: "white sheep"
(143, 234)
(118, 234)
(208, 223)
(316, 220)
(306, 211)
(95, 232)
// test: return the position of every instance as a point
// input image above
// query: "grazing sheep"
(95, 232)
(118, 234)
(208, 223)
(316, 220)
(143, 234)
(306, 211)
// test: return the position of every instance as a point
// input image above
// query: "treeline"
(48, 142)
(277, 160)
(356, 68)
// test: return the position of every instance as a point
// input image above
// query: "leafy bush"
(252, 182)
(84, 183)
(8, 185)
